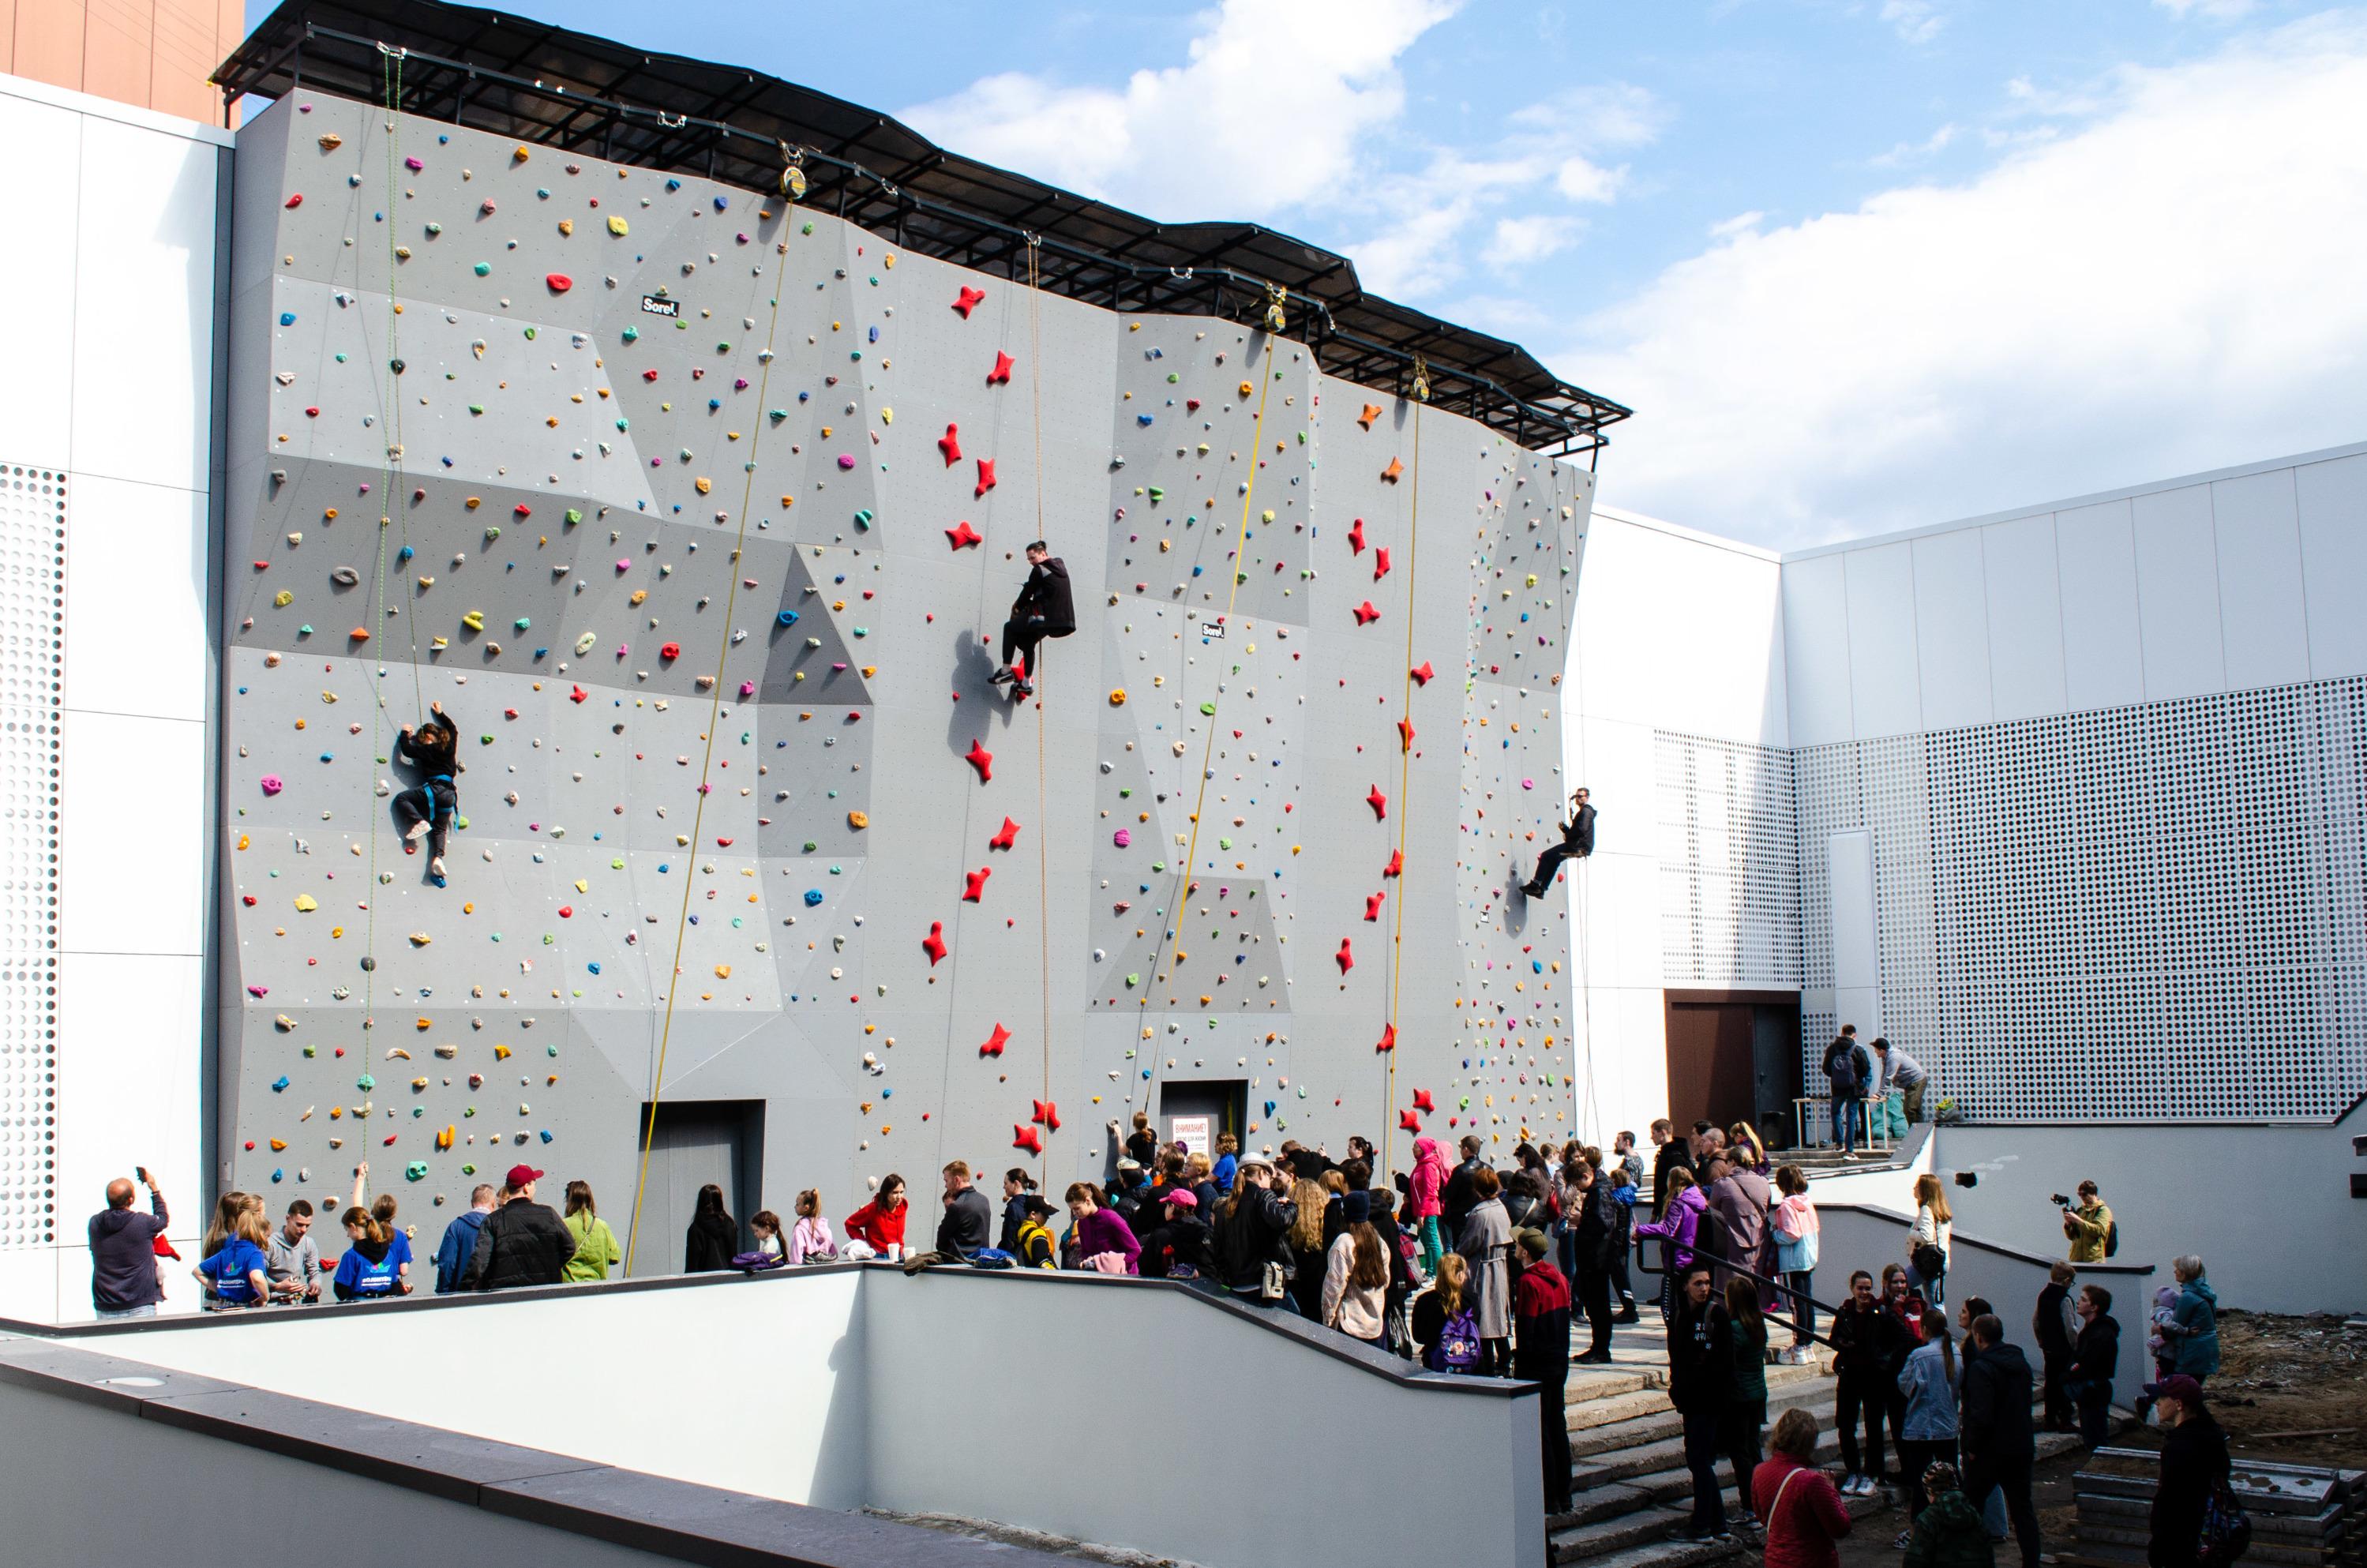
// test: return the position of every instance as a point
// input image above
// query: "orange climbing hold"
(1371, 412)
(1391, 472)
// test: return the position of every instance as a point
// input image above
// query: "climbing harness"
(706, 761)
(1405, 769)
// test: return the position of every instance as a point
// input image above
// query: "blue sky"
(1858, 264)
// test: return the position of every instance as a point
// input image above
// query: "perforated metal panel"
(32, 643)
(1729, 861)
(2144, 913)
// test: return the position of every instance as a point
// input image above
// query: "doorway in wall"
(1203, 1110)
(1734, 1056)
(696, 1142)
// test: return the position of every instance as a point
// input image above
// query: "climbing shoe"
(1003, 675)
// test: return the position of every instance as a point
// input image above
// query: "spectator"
(1668, 1155)
(1486, 1244)
(1897, 1070)
(772, 1242)
(2095, 1362)
(1228, 1159)
(123, 1271)
(366, 1271)
(1037, 1248)
(1928, 1240)
(238, 1275)
(1308, 1249)
(1749, 1150)
(1847, 1072)
(1359, 1176)
(521, 1244)
(1622, 1215)
(1701, 1385)
(1182, 1245)
(1680, 1228)
(1445, 1326)
(1591, 1225)
(1795, 1502)
(293, 1258)
(968, 1220)
(1199, 1175)
(459, 1243)
(1425, 1193)
(1456, 1204)
(713, 1238)
(878, 1226)
(1869, 1347)
(2194, 1468)
(1739, 1199)
(1705, 1143)
(810, 1238)
(1541, 1313)
(2089, 1228)
(1356, 1276)
(1999, 1446)
(597, 1251)
(2055, 1324)
(1948, 1532)
(1253, 1238)
(1746, 1412)
(1796, 1226)
(1017, 1185)
(1100, 1235)
(2193, 1328)
(1927, 1433)
(1142, 1144)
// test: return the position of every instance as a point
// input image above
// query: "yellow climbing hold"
(283, 598)
(723, 972)
(702, 484)
(619, 226)
(520, 153)
(501, 1053)
(1247, 389)
(474, 620)
(420, 939)
(306, 904)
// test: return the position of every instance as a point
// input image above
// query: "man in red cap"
(520, 1244)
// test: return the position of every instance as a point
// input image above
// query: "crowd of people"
(1466, 1268)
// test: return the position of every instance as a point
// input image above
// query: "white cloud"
(1269, 111)
(1908, 153)
(2217, 10)
(1519, 241)
(1582, 180)
(1918, 21)
(1726, 227)
(2166, 286)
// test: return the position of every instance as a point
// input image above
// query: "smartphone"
(142, 1172)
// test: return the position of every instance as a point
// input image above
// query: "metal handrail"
(1717, 1264)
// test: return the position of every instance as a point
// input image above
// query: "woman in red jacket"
(1795, 1501)
(879, 1224)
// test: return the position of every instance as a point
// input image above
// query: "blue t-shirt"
(398, 1251)
(229, 1268)
(358, 1278)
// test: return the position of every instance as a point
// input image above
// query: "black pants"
(432, 802)
(1854, 1393)
(1594, 1297)
(1553, 1420)
(1620, 1284)
(1019, 639)
(2094, 1400)
(1983, 1472)
(1916, 1455)
(1739, 1436)
(1550, 861)
(1701, 1458)
(1495, 1358)
(2060, 1413)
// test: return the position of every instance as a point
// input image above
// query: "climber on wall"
(1576, 844)
(427, 810)
(1042, 609)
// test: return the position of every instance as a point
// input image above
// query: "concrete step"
(1631, 1362)
(1657, 1420)
(1656, 1471)
(1660, 1553)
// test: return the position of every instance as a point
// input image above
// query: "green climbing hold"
(416, 1170)
(484, 739)
(806, 229)
(530, 335)
(366, 1083)
(1131, 981)
(863, 518)
(574, 515)
(520, 624)
(632, 335)
(1209, 709)
(483, 268)
(477, 408)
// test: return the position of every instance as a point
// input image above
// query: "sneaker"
(1628, 1316)
(1902, 1540)
(416, 829)
(1002, 673)
(1020, 689)
(1857, 1486)
(436, 869)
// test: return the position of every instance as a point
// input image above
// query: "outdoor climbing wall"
(701, 514)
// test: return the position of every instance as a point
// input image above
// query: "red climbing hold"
(985, 477)
(557, 282)
(1422, 1102)
(1396, 866)
(1001, 374)
(291, 204)
(1007, 838)
(981, 759)
(670, 652)
(1356, 536)
(577, 694)
(1379, 802)
(1367, 614)
(1022, 1135)
(1380, 562)
(1048, 1113)
(935, 944)
(566, 912)
(1345, 958)
(963, 535)
(1409, 1122)
(1389, 1041)
(1405, 734)
(1373, 904)
(1422, 673)
(994, 1042)
(974, 884)
(969, 296)
(950, 444)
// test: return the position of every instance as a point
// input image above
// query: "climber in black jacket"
(1044, 608)
(1576, 844)
(427, 811)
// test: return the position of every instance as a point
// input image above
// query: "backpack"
(992, 1257)
(2226, 1532)
(2113, 1244)
(1457, 1347)
(1841, 1069)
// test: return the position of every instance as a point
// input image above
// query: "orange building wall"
(155, 53)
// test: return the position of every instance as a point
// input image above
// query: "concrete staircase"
(1631, 1493)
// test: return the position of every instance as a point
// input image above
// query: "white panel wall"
(1884, 676)
(2263, 619)
(113, 260)
(1817, 651)
(2021, 588)
(2177, 592)
(2332, 502)
(2103, 645)
(1951, 631)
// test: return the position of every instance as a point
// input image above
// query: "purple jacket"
(1677, 1227)
(123, 1257)
(1104, 1231)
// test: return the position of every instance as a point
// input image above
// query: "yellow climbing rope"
(792, 184)
(1042, 833)
(1405, 768)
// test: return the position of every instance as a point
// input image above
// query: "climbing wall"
(699, 513)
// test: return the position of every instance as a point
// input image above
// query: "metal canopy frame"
(577, 93)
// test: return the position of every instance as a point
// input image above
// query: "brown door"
(1713, 1062)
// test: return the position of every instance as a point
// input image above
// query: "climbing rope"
(1405, 769)
(1042, 827)
(791, 182)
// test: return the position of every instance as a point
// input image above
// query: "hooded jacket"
(1679, 1227)
(1997, 1404)
(1428, 1183)
(1541, 1315)
(1045, 596)
(123, 1257)
(1701, 1356)
(1949, 1533)
(2194, 1463)
(1252, 1232)
(1670, 1156)
(708, 1247)
(2197, 1318)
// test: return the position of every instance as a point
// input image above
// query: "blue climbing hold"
(813, 896)
(281, 1083)
(593, 967)
(405, 553)
(786, 618)
(278, 1173)
(288, 318)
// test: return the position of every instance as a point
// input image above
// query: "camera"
(2060, 1200)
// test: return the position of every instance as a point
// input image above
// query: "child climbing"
(1576, 844)
(1044, 608)
(427, 811)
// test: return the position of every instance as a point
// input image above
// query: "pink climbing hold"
(747, 689)
(1379, 802)
(1123, 837)
(1345, 958)
(1422, 673)
(1024, 1136)
(994, 1043)
(272, 784)
(935, 943)
(950, 444)
(266, 991)
(1365, 614)
(624, 564)
(413, 164)
(1389, 1041)
(1001, 374)
(969, 299)
(557, 282)
(1373, 904)
(963, 536)
(846, 460)
(1528, 783)
(974, 884)
(1007, 838)
(981, 759)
